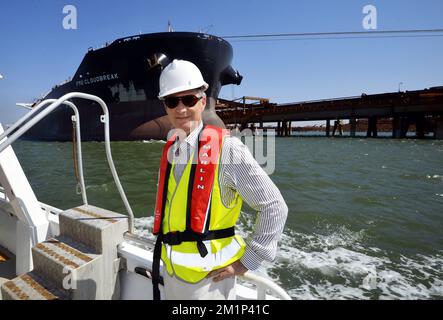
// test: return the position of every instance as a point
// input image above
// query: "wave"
(338, 265)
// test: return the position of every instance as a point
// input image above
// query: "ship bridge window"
(131, 38)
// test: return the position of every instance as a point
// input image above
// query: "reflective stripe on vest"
(194, 260)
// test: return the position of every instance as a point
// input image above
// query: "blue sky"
(36, 52)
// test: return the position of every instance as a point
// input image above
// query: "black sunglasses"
(188, 101)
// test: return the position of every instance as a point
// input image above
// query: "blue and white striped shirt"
(254, 186)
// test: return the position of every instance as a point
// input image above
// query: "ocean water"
(365, 215)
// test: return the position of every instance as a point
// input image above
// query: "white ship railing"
(263, 284)
(75, 118)
(130, 250)
(63, 100)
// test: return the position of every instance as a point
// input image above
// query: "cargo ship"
(125, 74)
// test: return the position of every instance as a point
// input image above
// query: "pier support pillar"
(372, 127)
(396, 127)
(438, 131)
(353, 126)
(284, 128)
(400, 126)
(337, 126)
(278, 129)
(420, 127)
(328, 127)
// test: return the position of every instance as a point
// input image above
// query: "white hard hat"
(180, 75)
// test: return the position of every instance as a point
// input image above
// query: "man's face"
(183, 117)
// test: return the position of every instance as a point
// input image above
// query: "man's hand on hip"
(234, 269)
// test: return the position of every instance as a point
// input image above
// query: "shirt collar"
(192, 138)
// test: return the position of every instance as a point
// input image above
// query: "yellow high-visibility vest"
(185, 260)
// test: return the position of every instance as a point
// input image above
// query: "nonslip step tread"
(31, 286)
(94, 215)
(65, 252)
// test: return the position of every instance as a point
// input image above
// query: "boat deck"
(7, 267)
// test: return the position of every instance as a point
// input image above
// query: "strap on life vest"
(162, 189)
(165, 170)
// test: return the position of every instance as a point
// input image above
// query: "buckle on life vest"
(173, 238)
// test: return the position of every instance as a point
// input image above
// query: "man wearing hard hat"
(200, 195)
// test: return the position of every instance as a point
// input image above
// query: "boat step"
(31, 286)
(3, 257)
(95, 227)
(80, 264)
(63, 261)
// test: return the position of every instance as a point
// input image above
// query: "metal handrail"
(77, 121)
(79, 150)
(105, 119)
(40, 105)
(263, 284)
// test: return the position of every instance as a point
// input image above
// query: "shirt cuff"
(250, 259)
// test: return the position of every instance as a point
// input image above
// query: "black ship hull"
(125, 75)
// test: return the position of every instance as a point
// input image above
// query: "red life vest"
(201, 180)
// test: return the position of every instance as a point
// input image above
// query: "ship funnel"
(230, 76)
